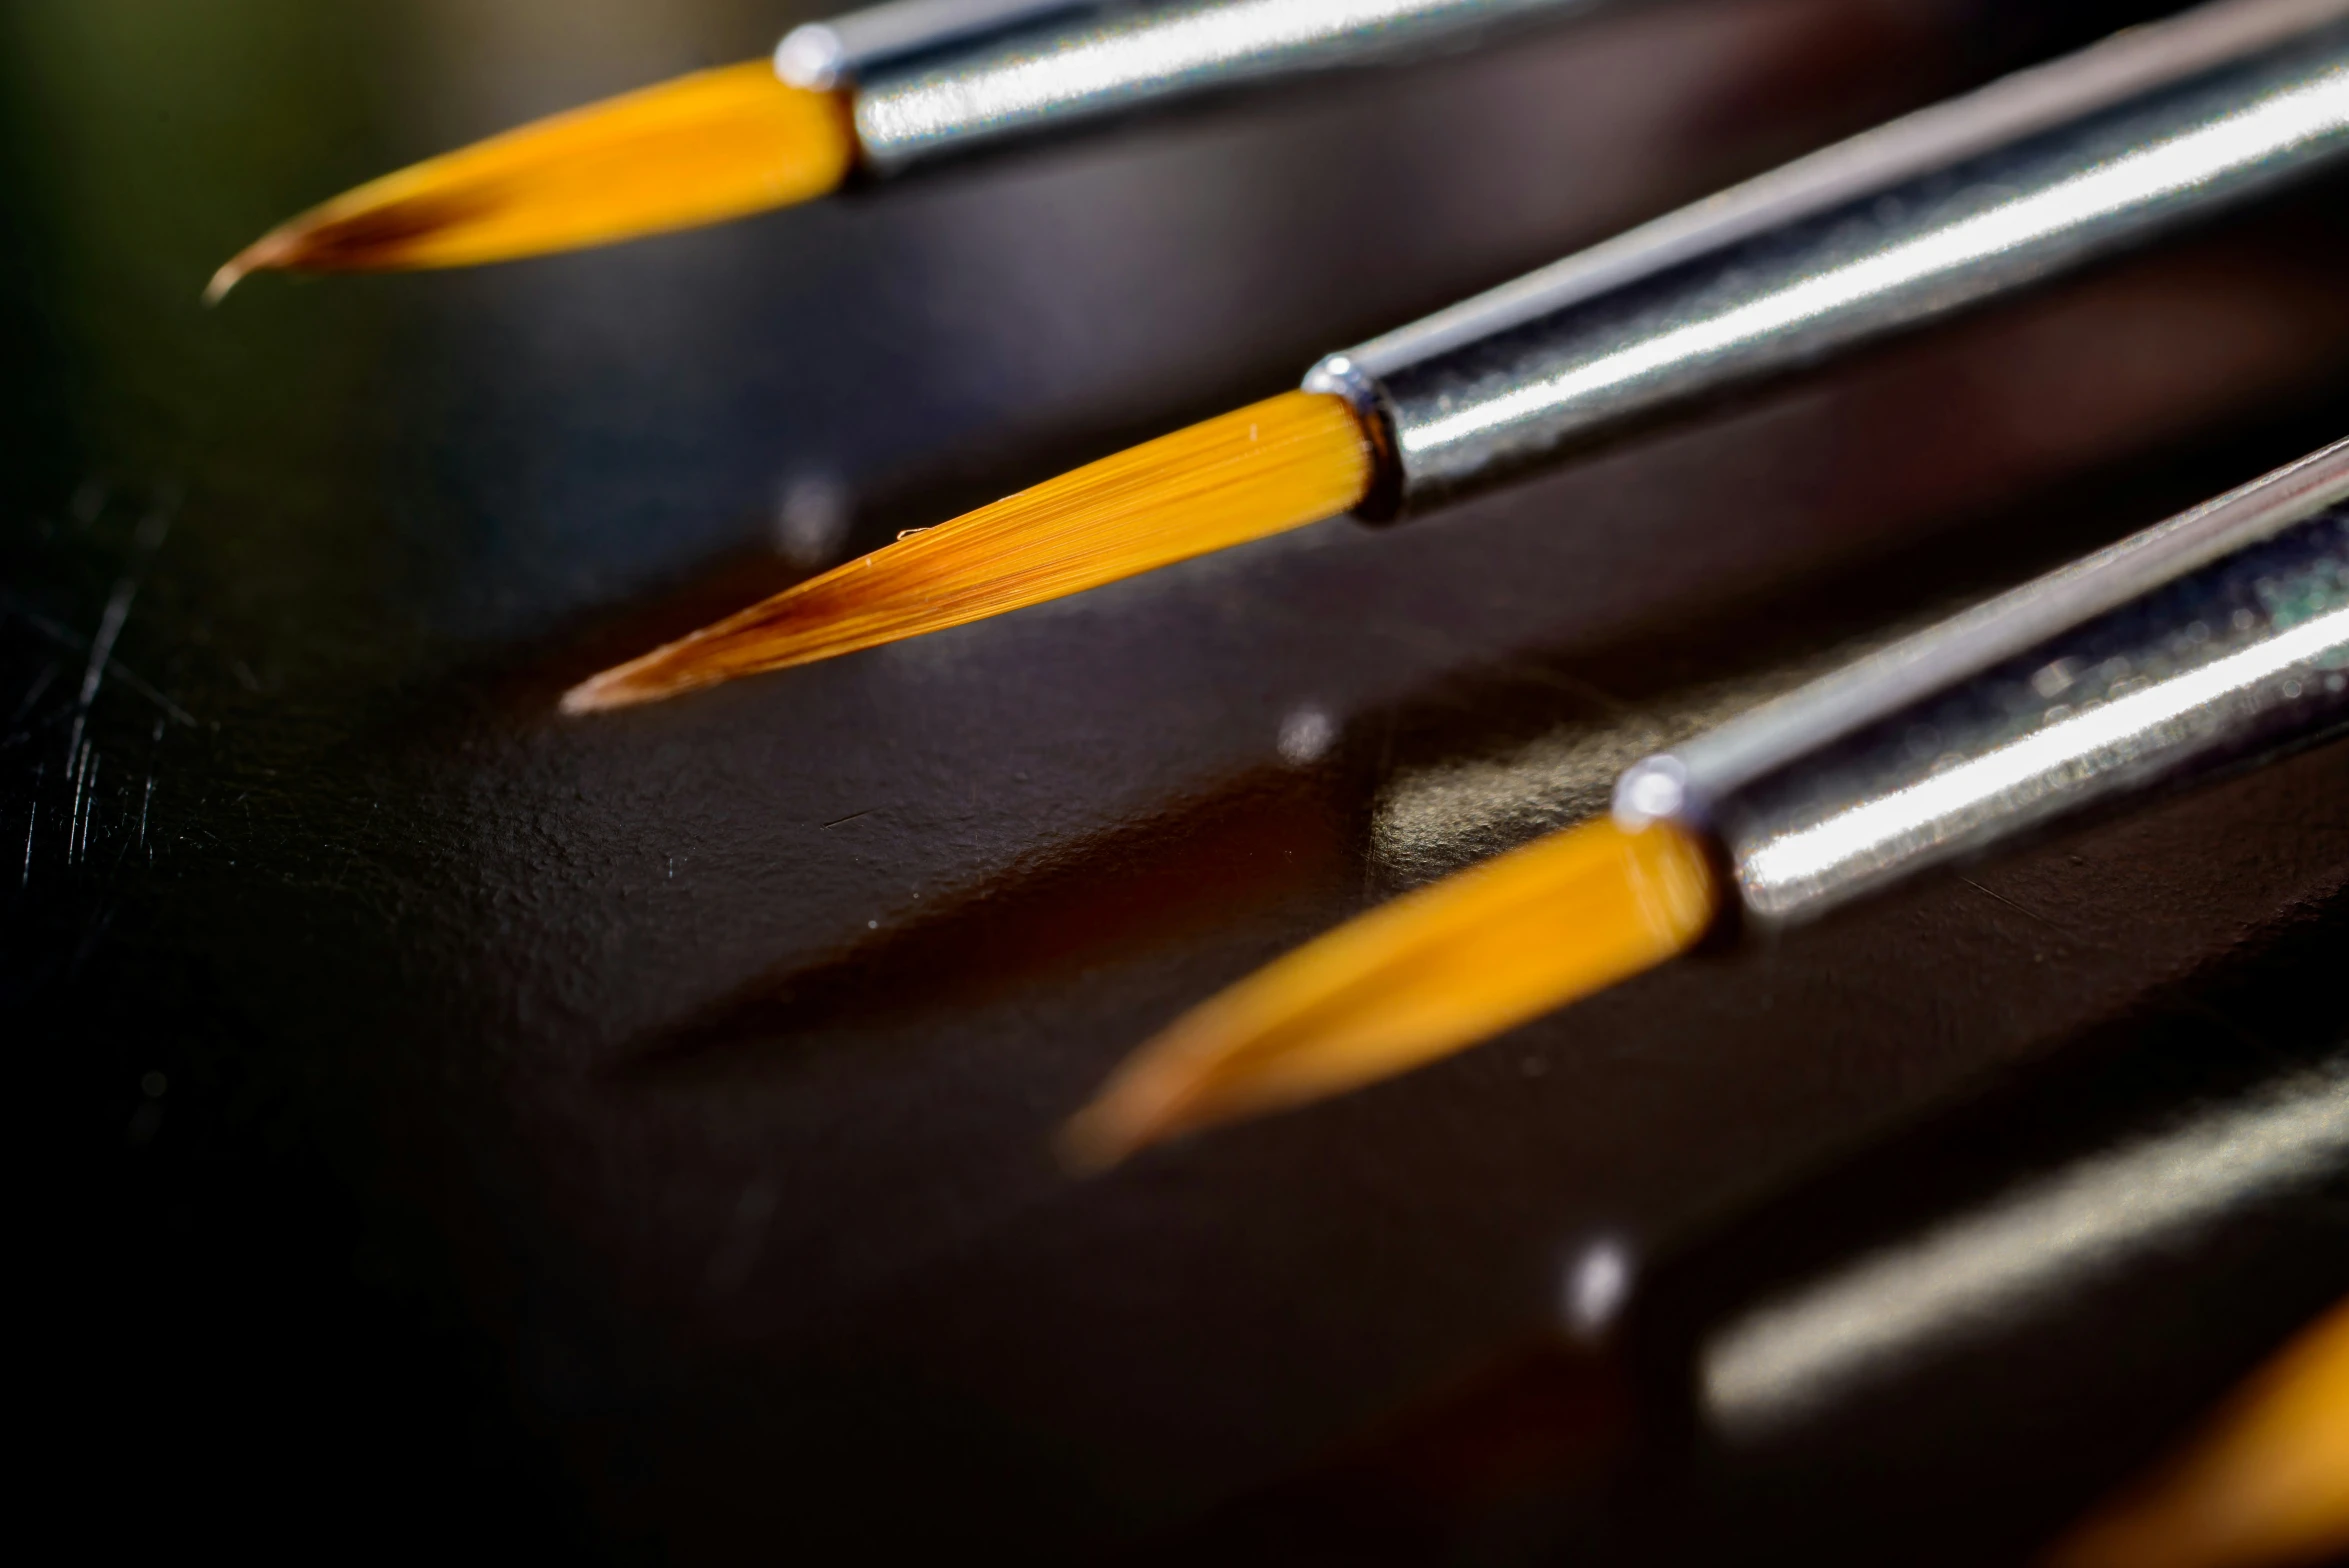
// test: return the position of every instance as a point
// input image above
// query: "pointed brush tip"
(1088, 1145)
(595, 695)
(1139, 1109)
(623, 686)
(231, 274)
(271, 250)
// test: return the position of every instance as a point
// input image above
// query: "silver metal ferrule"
(844, 49)
(2214, 638)
(2037, 174)
(987, 84)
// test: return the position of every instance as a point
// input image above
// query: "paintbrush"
(872, 94)
(2267, 1483)
(2033, 176)
(2218, 637)
(2073, 1263)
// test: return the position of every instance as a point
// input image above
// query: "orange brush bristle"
(2268, 1484)
(714, 145)
(1275, 465)
(1421, 978)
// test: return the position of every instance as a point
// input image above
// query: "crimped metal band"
(1069, 69)
(1897, 228)
(2221, 634)
(844, 49)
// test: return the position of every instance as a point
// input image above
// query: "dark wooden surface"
(630, 1136)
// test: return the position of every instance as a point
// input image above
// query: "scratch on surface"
(73, 815)
(118, 606)
(40, 772)
(33, 693)
(101, 654)
(154, 528)
(147, 801)
(171, 710)
(851, 817)
(81, 851)
(122, 672)
(2024, 909)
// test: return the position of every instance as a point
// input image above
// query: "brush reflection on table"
(2137, 1228)
(2200, 646)
(639, 1132)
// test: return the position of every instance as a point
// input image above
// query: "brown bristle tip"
(1100, 1138)
(1086, 1149)
(269, 251)
(610, 690)
(580, 699)
(700, 149)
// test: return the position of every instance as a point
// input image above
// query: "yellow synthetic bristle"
(714, 145)
(2269, 1484)
(1279, 464)
(1425, 976)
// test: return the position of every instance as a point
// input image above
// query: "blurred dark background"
(629, 1139)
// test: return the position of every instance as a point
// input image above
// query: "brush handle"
(2230, 643)
(1067, 70)
(2085, 161)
